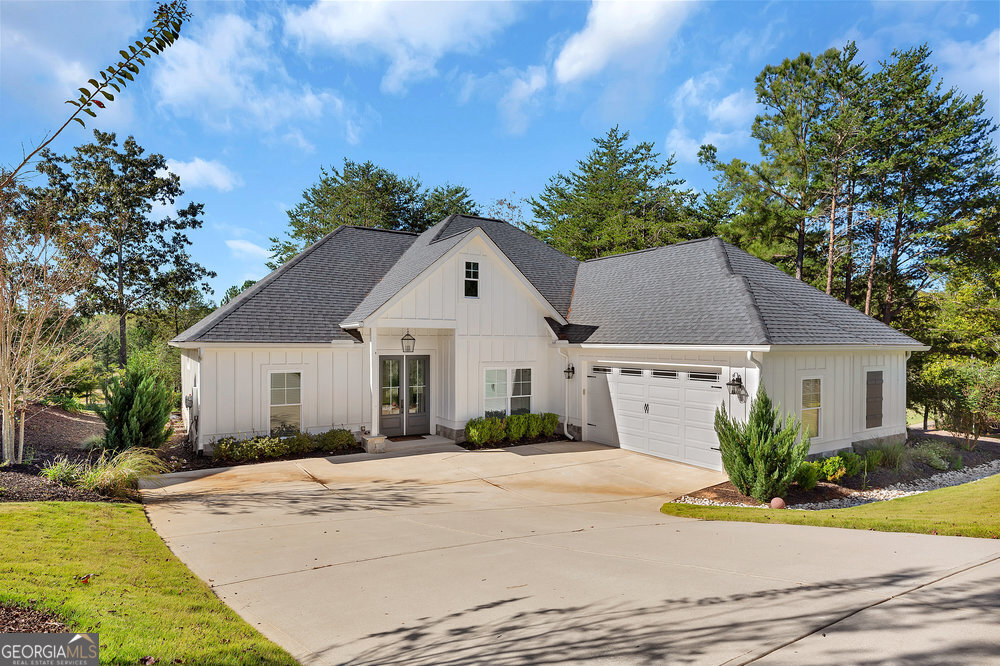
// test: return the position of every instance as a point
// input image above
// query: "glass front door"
(404, 395)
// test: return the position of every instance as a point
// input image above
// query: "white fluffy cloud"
(205, 173)
(974, 67)
(244, 249)
(618, 30)
(726, 120)
(227, 74)
(413, 36)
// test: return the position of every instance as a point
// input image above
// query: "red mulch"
(51, 432)
(20, 620)
(726, 492)
(21, 483)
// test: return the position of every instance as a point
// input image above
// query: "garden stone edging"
(942, 480)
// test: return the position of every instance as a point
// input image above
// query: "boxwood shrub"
(484, 431)
(263, 447)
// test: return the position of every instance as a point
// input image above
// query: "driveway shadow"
(679, 630)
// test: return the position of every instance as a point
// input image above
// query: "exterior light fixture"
(735, 385)
(569, 371)
(408, 342)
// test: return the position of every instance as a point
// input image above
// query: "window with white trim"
(811, 407)
(286, 402)
(472, 279)
(507, 391)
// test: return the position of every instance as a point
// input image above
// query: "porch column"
(373, 377)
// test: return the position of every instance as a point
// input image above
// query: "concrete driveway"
(557, 553)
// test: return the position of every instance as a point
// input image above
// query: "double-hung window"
(472, 279)
(286, 402)
(507, 391)
(812, 405)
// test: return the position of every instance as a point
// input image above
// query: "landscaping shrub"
(137, 411)
(475, 431)
(832, 468)
(92, 443)
(534, 425)
(62, 471)
(955, 461)
(762, 455)
(517, 427)
(852, 463)
(874, 458)
(232, 449)
(933, 453)
(495, 429)
(894, 454)
(807, 475)
(550, 422)
(113, 475)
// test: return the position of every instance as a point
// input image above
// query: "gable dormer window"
(472, 279)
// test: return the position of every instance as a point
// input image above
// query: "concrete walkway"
(557, 553)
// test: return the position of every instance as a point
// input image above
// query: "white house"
(634, 350)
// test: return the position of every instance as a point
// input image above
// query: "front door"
(405, 395)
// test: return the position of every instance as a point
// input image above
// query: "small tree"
(762, 455)
(137, 410)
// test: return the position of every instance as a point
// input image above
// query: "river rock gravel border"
(859, 497)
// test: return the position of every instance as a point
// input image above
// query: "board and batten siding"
(843, 380)
(235, 391)
(503, 328)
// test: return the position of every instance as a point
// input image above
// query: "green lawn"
(141, 600)
(971, 509)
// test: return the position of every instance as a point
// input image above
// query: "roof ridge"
(757, 323)
(653, 249)
(388, 231)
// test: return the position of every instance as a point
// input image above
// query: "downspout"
(760, 368)
(566, 401)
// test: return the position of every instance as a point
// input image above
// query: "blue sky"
(255, 97)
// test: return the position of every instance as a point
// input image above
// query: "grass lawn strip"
(140, 598)
(969, 510)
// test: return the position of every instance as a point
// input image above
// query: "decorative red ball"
(777, 503)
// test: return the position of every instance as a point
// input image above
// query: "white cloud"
(619, 30)
(738, 108)
(413, 36)
(205, 173)
(244, 249)
(727, 119)
(226, 74)
(521, 97)
(973, 66)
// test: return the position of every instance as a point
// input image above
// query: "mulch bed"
(20, 620)
(52, 432)
(987, 450)
(21, 483)
(506, 445)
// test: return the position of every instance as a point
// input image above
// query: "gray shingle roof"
(306, 299)
(703, 292)
(707, 292)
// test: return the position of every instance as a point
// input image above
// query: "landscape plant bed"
(860, 488)
(18, 619)
(506, 444)
(101, 567)
(968, 510)
(21, 483)
(52, 432)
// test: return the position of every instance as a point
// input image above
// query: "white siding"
(235, 396)
(843, 376)
(503, 327)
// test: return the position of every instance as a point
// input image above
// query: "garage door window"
(507, 391)
(286, 402)
(812, 407)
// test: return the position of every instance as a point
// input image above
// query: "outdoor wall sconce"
(569, 371)
(408, 342)
(735, 385)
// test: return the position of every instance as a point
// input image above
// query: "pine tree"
(619, 199)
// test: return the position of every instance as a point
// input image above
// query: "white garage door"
(665, 413)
